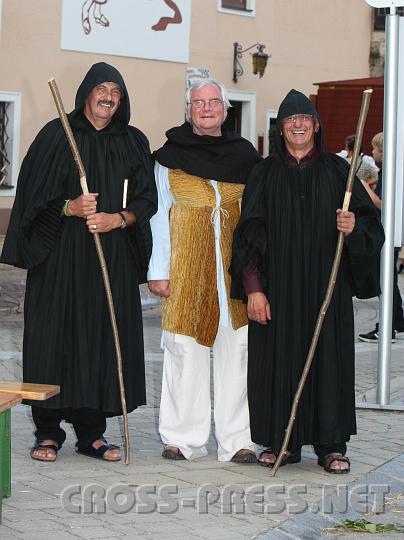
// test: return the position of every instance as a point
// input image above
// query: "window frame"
(379, 17)
(249, 12)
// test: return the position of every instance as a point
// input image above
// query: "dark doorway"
(234, 113)
(271, 136)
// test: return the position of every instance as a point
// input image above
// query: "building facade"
(154, 44)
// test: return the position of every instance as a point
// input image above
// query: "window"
(237, 7)
(10, 119)
(234, 4)
(379, 21)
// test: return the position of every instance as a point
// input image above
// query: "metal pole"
(388, 195)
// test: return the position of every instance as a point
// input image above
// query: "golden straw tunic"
(193, 259)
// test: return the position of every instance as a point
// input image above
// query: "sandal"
(39, 446)
(291, 457)
(172, 452)
(329, 459)
(244, 456)
(98, 453)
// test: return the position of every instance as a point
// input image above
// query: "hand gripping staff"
(100, 253)
(331, 284)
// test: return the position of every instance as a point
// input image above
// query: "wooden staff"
(100, 253)
(331, 284)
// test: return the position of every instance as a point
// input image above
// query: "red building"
(338, 103)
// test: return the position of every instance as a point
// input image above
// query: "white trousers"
(185, 408)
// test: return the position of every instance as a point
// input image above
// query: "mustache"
(105, 102)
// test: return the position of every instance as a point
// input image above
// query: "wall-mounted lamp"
(260, 60)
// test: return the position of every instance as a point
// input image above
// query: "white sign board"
(154, 29)
(385, 3)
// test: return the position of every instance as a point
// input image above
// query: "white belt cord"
(219, 211)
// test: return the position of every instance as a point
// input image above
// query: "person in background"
(366, 168)
(398, 315)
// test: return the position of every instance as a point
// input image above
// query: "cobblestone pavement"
(78, 497)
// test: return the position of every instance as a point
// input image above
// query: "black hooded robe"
(288, 224)
(67, 335)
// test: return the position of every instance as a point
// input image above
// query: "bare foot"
(267, 457)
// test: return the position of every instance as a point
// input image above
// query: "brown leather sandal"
(244, 456)
(172, 452)
(329, 459)
(294, 457)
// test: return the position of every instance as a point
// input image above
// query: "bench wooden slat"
(29, 390)
(8, 400)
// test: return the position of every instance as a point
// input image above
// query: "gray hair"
(201, 84)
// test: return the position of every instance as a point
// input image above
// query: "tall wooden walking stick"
(100, 253)
(331, 284)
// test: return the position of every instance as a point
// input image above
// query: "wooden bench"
(11, 394)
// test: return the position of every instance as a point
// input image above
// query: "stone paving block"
(168, 536)
(46, 536)
(220, 534)
(74, 521)
(211, 476)
(39, 504)
(96, 532)
(277, 535)
(12, 514)
(308, 526)
(6, 532)
(394, 469)
(37, 525)
(28, 493)
(379, 477)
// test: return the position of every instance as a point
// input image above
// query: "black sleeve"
(35, 220)
(364, 244)
(250, 236)
(142, 201)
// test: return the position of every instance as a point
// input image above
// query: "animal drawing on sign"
(99, 17)
(165, 21)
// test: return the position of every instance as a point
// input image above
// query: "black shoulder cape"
(228, 158)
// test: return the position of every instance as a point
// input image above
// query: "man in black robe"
(283, 252)
(68, 337)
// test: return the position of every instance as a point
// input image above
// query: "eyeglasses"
(298, 117)
(213, 103)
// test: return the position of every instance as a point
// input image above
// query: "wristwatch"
(123, 220)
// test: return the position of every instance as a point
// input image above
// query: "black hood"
(296, 103)
(97, 74)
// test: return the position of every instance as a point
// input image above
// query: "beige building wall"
(309, 41)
